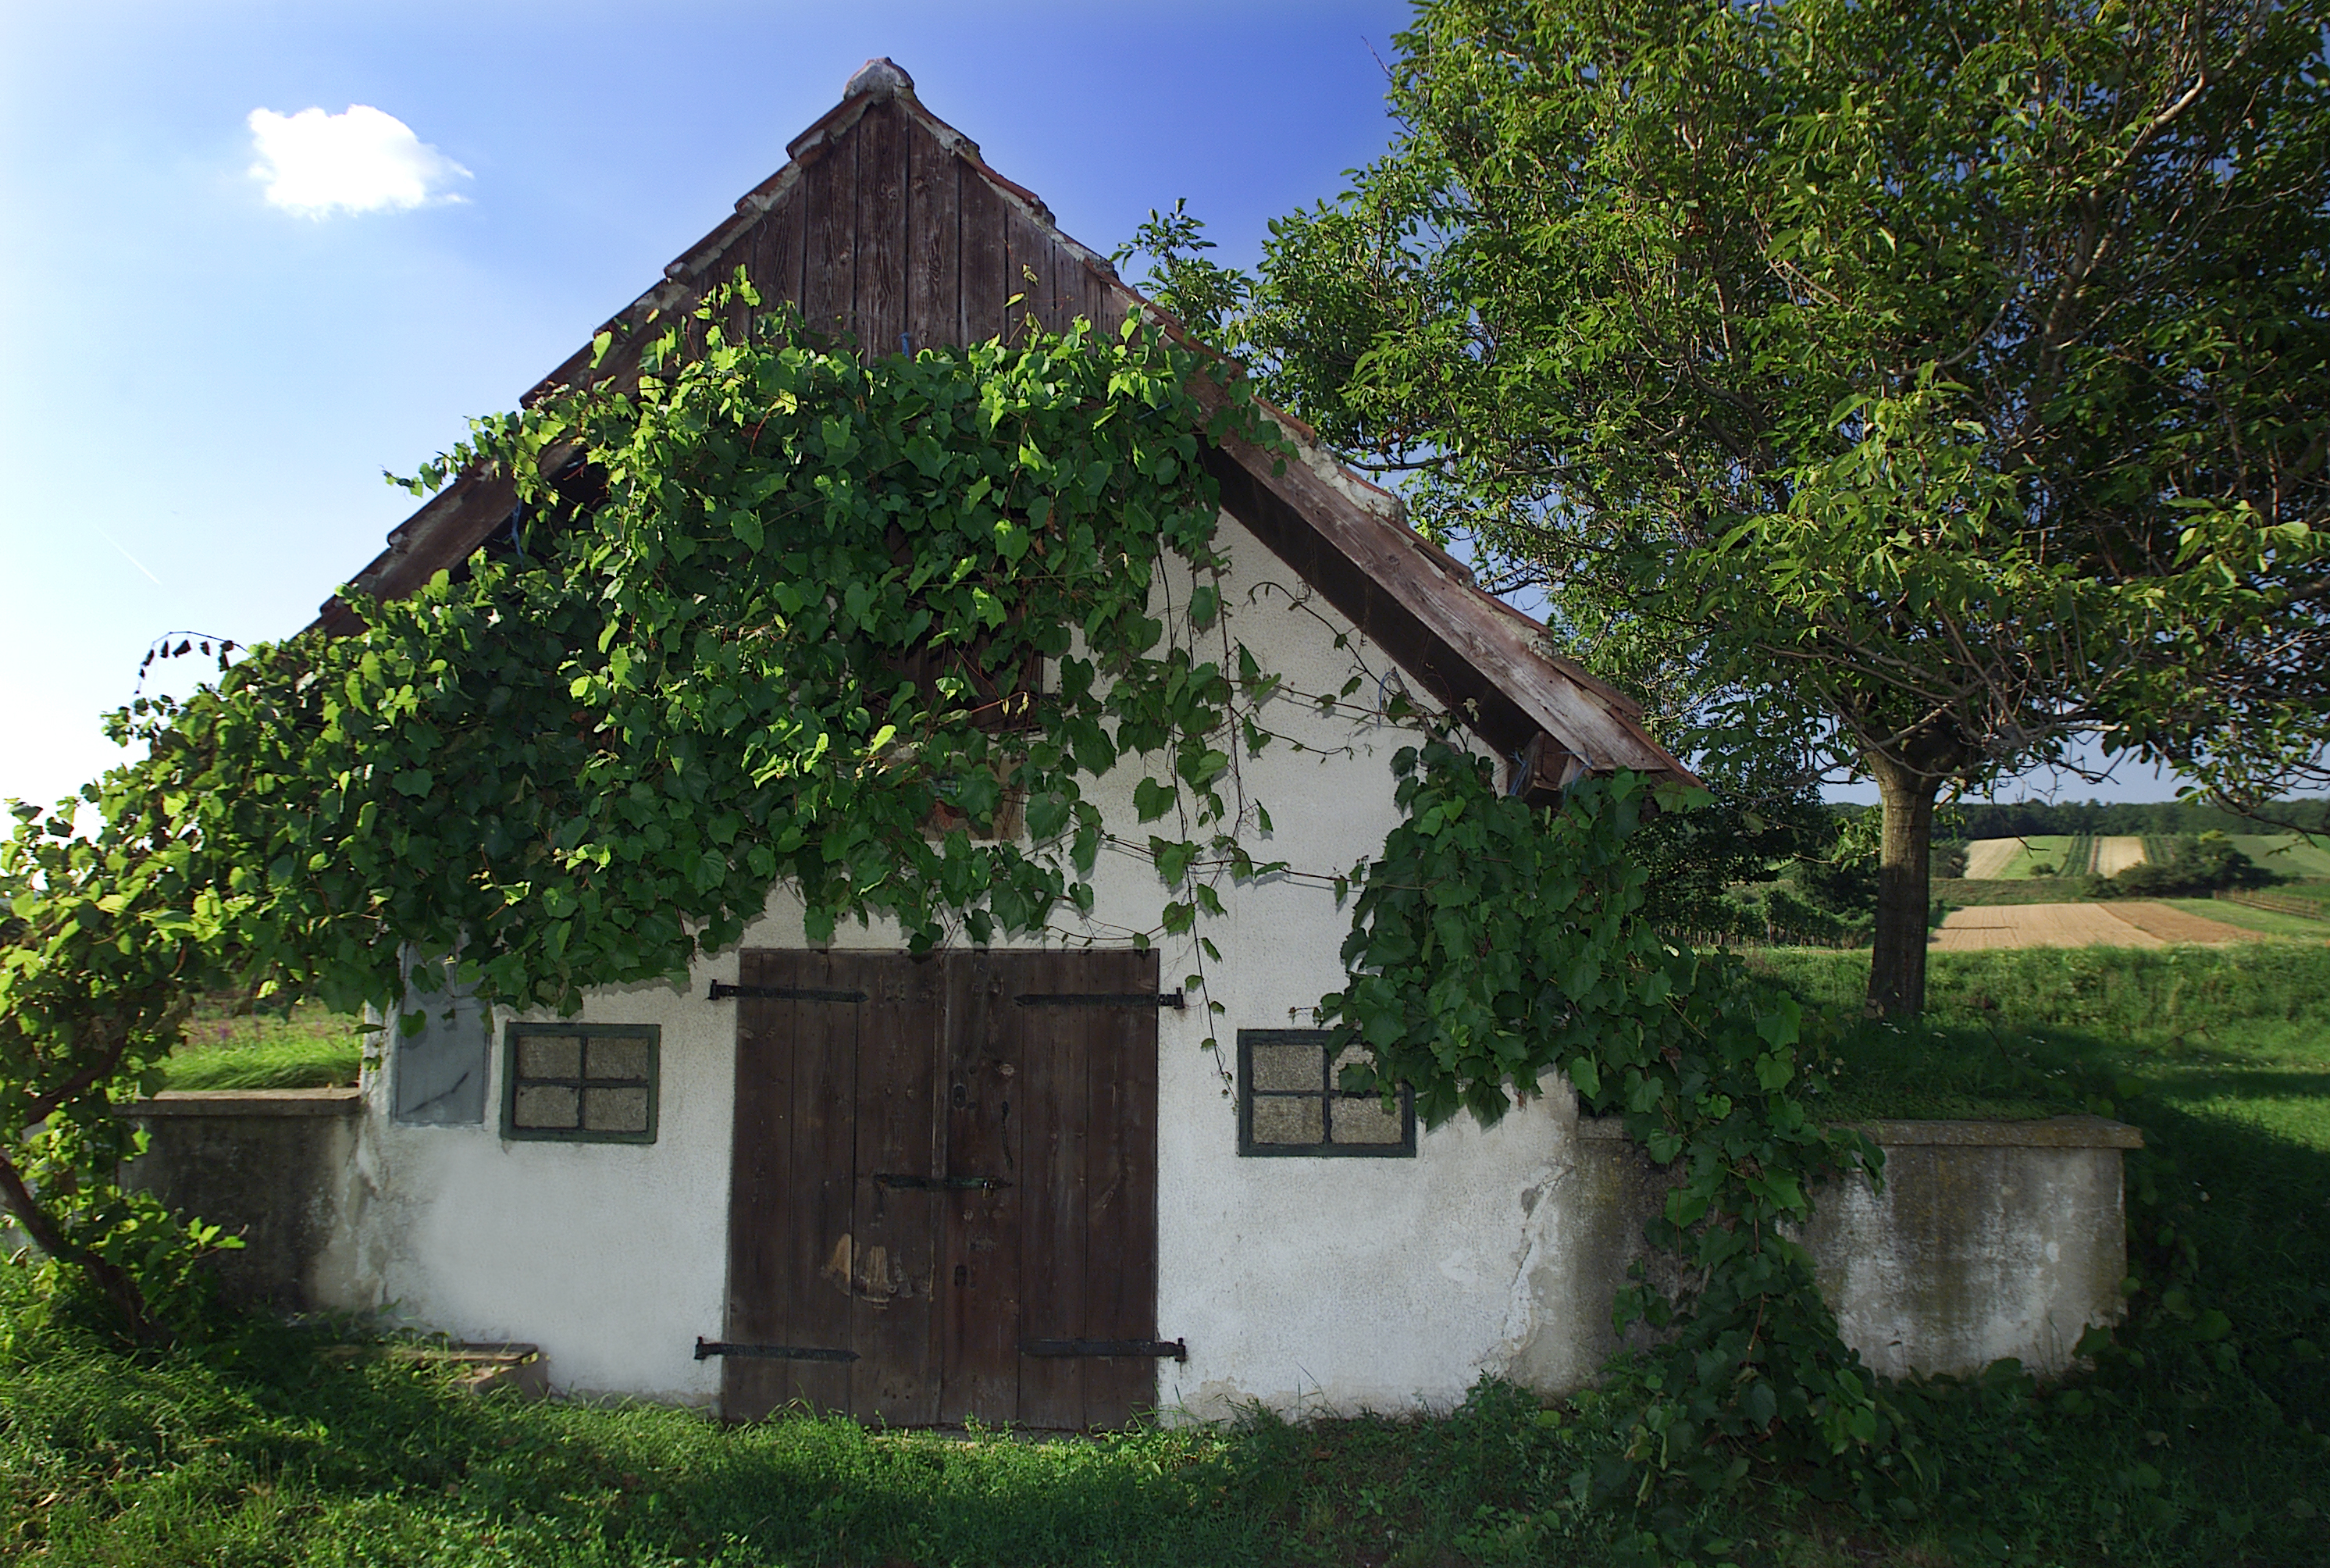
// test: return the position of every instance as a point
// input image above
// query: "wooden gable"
(886, 229)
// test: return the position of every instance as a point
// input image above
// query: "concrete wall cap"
(248, 1102)
(2053, 1133)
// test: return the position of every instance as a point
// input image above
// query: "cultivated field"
(2135, 924)
(1987, 858)
(2071, 855)
(2117, 852)
(2286, 854)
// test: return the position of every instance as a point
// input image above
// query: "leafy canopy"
(1901, 390)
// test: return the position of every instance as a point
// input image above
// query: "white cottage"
(1009, 1184)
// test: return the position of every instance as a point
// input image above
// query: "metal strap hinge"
(938, 1184)
(708, 1348)
(1171, 999)
(722, 991)
(1176, 1349)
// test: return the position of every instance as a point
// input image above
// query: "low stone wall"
(1988, 1239)
(277, 1167)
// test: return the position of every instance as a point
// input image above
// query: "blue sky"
(202, 385)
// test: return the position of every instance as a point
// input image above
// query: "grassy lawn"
(2196, 1441)
(307, 1048)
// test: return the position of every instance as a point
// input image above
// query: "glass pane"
(1282, 1067)
(1365, 1121)
(549, 1056)
(544, 1106)
(615, 1056)
(1288, 1120)
(615, 1110)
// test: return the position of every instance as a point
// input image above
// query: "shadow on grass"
(257, 1449)
(2200, 1435)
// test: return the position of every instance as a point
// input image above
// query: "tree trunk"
(1897, 967)
(112, 1281)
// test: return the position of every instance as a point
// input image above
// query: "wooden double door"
(942, 1204)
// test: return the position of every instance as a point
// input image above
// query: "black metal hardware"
(722, 991)
(1178, 1349)
(1171, 999)
(938, 1184)
(706, 1348)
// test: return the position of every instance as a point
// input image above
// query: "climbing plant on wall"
(1493, 944)
(776, 615)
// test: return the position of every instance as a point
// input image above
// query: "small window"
(1290, 1101)
(580, 1082)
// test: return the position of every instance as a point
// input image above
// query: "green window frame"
(1288, 1101)
(581, 1083)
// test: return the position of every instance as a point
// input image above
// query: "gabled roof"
(887, 226)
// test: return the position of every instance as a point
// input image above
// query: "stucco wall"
(1986, 1239)
(1301, 1284)
(613, 1257)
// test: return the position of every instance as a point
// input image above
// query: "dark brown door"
(938, 1162)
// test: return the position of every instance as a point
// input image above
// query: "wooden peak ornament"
(878, 79)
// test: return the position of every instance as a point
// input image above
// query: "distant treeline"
(2029, 818)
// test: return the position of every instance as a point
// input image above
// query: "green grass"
(1966, 893)
(2186, 1446)
(2286, 854)
(2273, 922)
(2030, 1032)
(307, 1049)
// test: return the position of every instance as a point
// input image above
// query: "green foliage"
(774, 612)
(1493, 944)
(2198, 866)
(1914, 432)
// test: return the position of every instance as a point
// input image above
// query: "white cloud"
(361, 161)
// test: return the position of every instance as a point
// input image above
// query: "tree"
(1932, 386)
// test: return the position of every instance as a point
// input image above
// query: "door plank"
(790, 1186)
(1056, 1044)
(980, 1256)
(1120, 1187)
(895, 1235)
(760, 1153)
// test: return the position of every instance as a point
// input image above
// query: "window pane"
(1365, 1121)
(549, 1056)
(1284, 1067)
(545, 1106)
(615, 1110)
(614, 1056)
(1287, 1121)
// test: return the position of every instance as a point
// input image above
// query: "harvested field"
(2131, 925)
(2171, 925)
(2039, 926)
(1987, 858)
(2117, 852)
